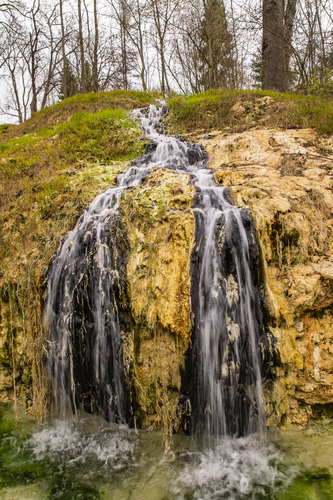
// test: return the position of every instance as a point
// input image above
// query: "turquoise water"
(88, 458)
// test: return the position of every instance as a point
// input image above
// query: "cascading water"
(224, 367)
(86, 293)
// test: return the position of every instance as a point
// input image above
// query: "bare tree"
(63, 49)
(95, 58)
(81, 44)
(162, 13)
(130, 40)
(12, 6)
(16, 75)
(137, 36)
(32, 55)
(53, 48)
(289, 17)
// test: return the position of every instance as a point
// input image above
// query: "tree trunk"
(123, 38)
(64, 74)
(289, 17)
(83, 68)
(17, 98)
(210, 64)
(273, 76)
(141, 49)
(95, 62)
(33, 48)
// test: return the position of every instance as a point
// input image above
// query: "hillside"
(273, 151)
(51, 167)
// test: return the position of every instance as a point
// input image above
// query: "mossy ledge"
(237, 111)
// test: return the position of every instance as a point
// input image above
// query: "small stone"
(299, 327)
(238, 108)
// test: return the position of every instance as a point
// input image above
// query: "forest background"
(53, 49)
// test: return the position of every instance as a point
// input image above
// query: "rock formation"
(285, 178)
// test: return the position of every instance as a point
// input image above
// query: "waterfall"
(224, 369)
(222, 387)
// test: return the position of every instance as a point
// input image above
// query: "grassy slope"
(51, 167)
(56, 163)
(240, 110)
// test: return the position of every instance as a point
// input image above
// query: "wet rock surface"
(131, 324)
(285, 179)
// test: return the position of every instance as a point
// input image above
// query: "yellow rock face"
(285, 178)
(160, 229)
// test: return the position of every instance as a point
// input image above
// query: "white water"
(89, 458)
(124, 465)
(227, 329)
(225, 394)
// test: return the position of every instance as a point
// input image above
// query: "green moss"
(18, 467)
(310, 485)
(322, 427)
(90, 103)
(51, 168)
(214, 109)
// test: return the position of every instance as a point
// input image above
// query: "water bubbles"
(70, 442)
(233, 469)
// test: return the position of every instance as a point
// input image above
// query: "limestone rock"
(286, 182)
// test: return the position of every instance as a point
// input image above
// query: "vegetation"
(54, 164)
(51, 167)
(90, 103)
(311, 484)
(241, 110)
(52, 49)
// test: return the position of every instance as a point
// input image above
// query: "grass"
(48, 179)
(243, 109)
(55, 164)
(48, 176)
(90, 103)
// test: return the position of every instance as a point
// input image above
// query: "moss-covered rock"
(51, 167)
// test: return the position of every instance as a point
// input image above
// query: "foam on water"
(234, 468)
(249, 467)
(65, 441)
(91, 458)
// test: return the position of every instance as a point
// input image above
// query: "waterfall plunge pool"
(88, 458)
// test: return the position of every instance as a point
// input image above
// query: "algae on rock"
(51, 167)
